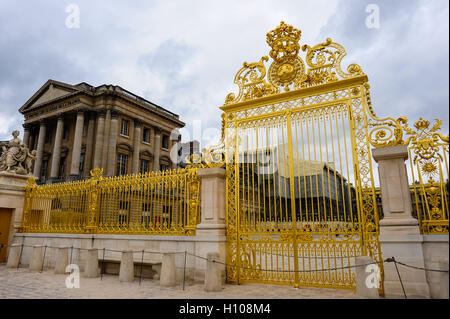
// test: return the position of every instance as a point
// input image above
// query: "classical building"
(75, 128)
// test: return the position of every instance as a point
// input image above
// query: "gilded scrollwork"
(287, 70)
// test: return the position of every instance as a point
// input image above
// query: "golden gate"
(300, 189)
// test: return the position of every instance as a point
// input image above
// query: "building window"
(165, 142)
(163, 167)
(48, 136)
(81, 168)
(146, 135)
(44, 169)
(66, 132)
(122, 160)
(62, 166)
(85, 128)
(143, 166)
(124, 127)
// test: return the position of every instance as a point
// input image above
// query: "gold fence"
(428, 167)
(160, 203)
(428, 154)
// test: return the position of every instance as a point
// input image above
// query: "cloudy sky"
(183, 55)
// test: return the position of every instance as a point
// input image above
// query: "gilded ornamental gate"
(300, 189)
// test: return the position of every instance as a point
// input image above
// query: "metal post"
(184, 271)
(142, 262)
(103, 264)
(43, 258)
(20, 256)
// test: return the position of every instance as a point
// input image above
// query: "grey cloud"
(406, 63)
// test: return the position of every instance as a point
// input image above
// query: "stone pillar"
(168, 270)
(106, 138)
(56, 156)
(157, 149)
(443, 265)
(363, 291)
(213, 277)
(14, 256)
(111, 162)
(37, 258)
(210, 233)
(399, 231)
(40, 150)
(89, 145)
(62, 260)
(136, 146)
(26, 135)
(99, 140)
(92, 263)
(76, 151)
(126, 272)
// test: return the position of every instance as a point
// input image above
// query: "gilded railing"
(428, 166)
(158, 203)
(428, 154)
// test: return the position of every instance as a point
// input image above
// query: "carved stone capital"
(157, 130)
(138, 123)
(101, 113)
(115, 114)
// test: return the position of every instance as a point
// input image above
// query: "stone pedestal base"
(209, 238)
(400, 238)
(12, 195)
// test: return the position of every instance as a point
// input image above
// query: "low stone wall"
(114, 244)
(435, 249)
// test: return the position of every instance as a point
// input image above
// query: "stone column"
(26, 134)
(56, 156)
(61, 260)
(399, 231)
(168, 270)
(37, 258)
(92, 263)
(136, 146)
(210, 233)
(40, 150)
(213, 280)
(126, 271)
(89, 144)
(113, 132)
(157, 149)
(106, 138)
(99, 140)
(76, 151)
(14, 256)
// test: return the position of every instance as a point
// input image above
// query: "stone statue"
(16, 157)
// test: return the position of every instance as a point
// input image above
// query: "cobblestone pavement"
(21, 283)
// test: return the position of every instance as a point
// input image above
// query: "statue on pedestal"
(16, 157)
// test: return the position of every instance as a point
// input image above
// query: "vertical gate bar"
(286, 219)
(317, 220)
(340, 166)
(348, 174)
(292, 185)
(237, 201)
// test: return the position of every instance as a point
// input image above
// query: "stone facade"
(75, 128)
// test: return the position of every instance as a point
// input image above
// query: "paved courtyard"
(21, 283)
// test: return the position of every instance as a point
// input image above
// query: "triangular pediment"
(51, 90)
